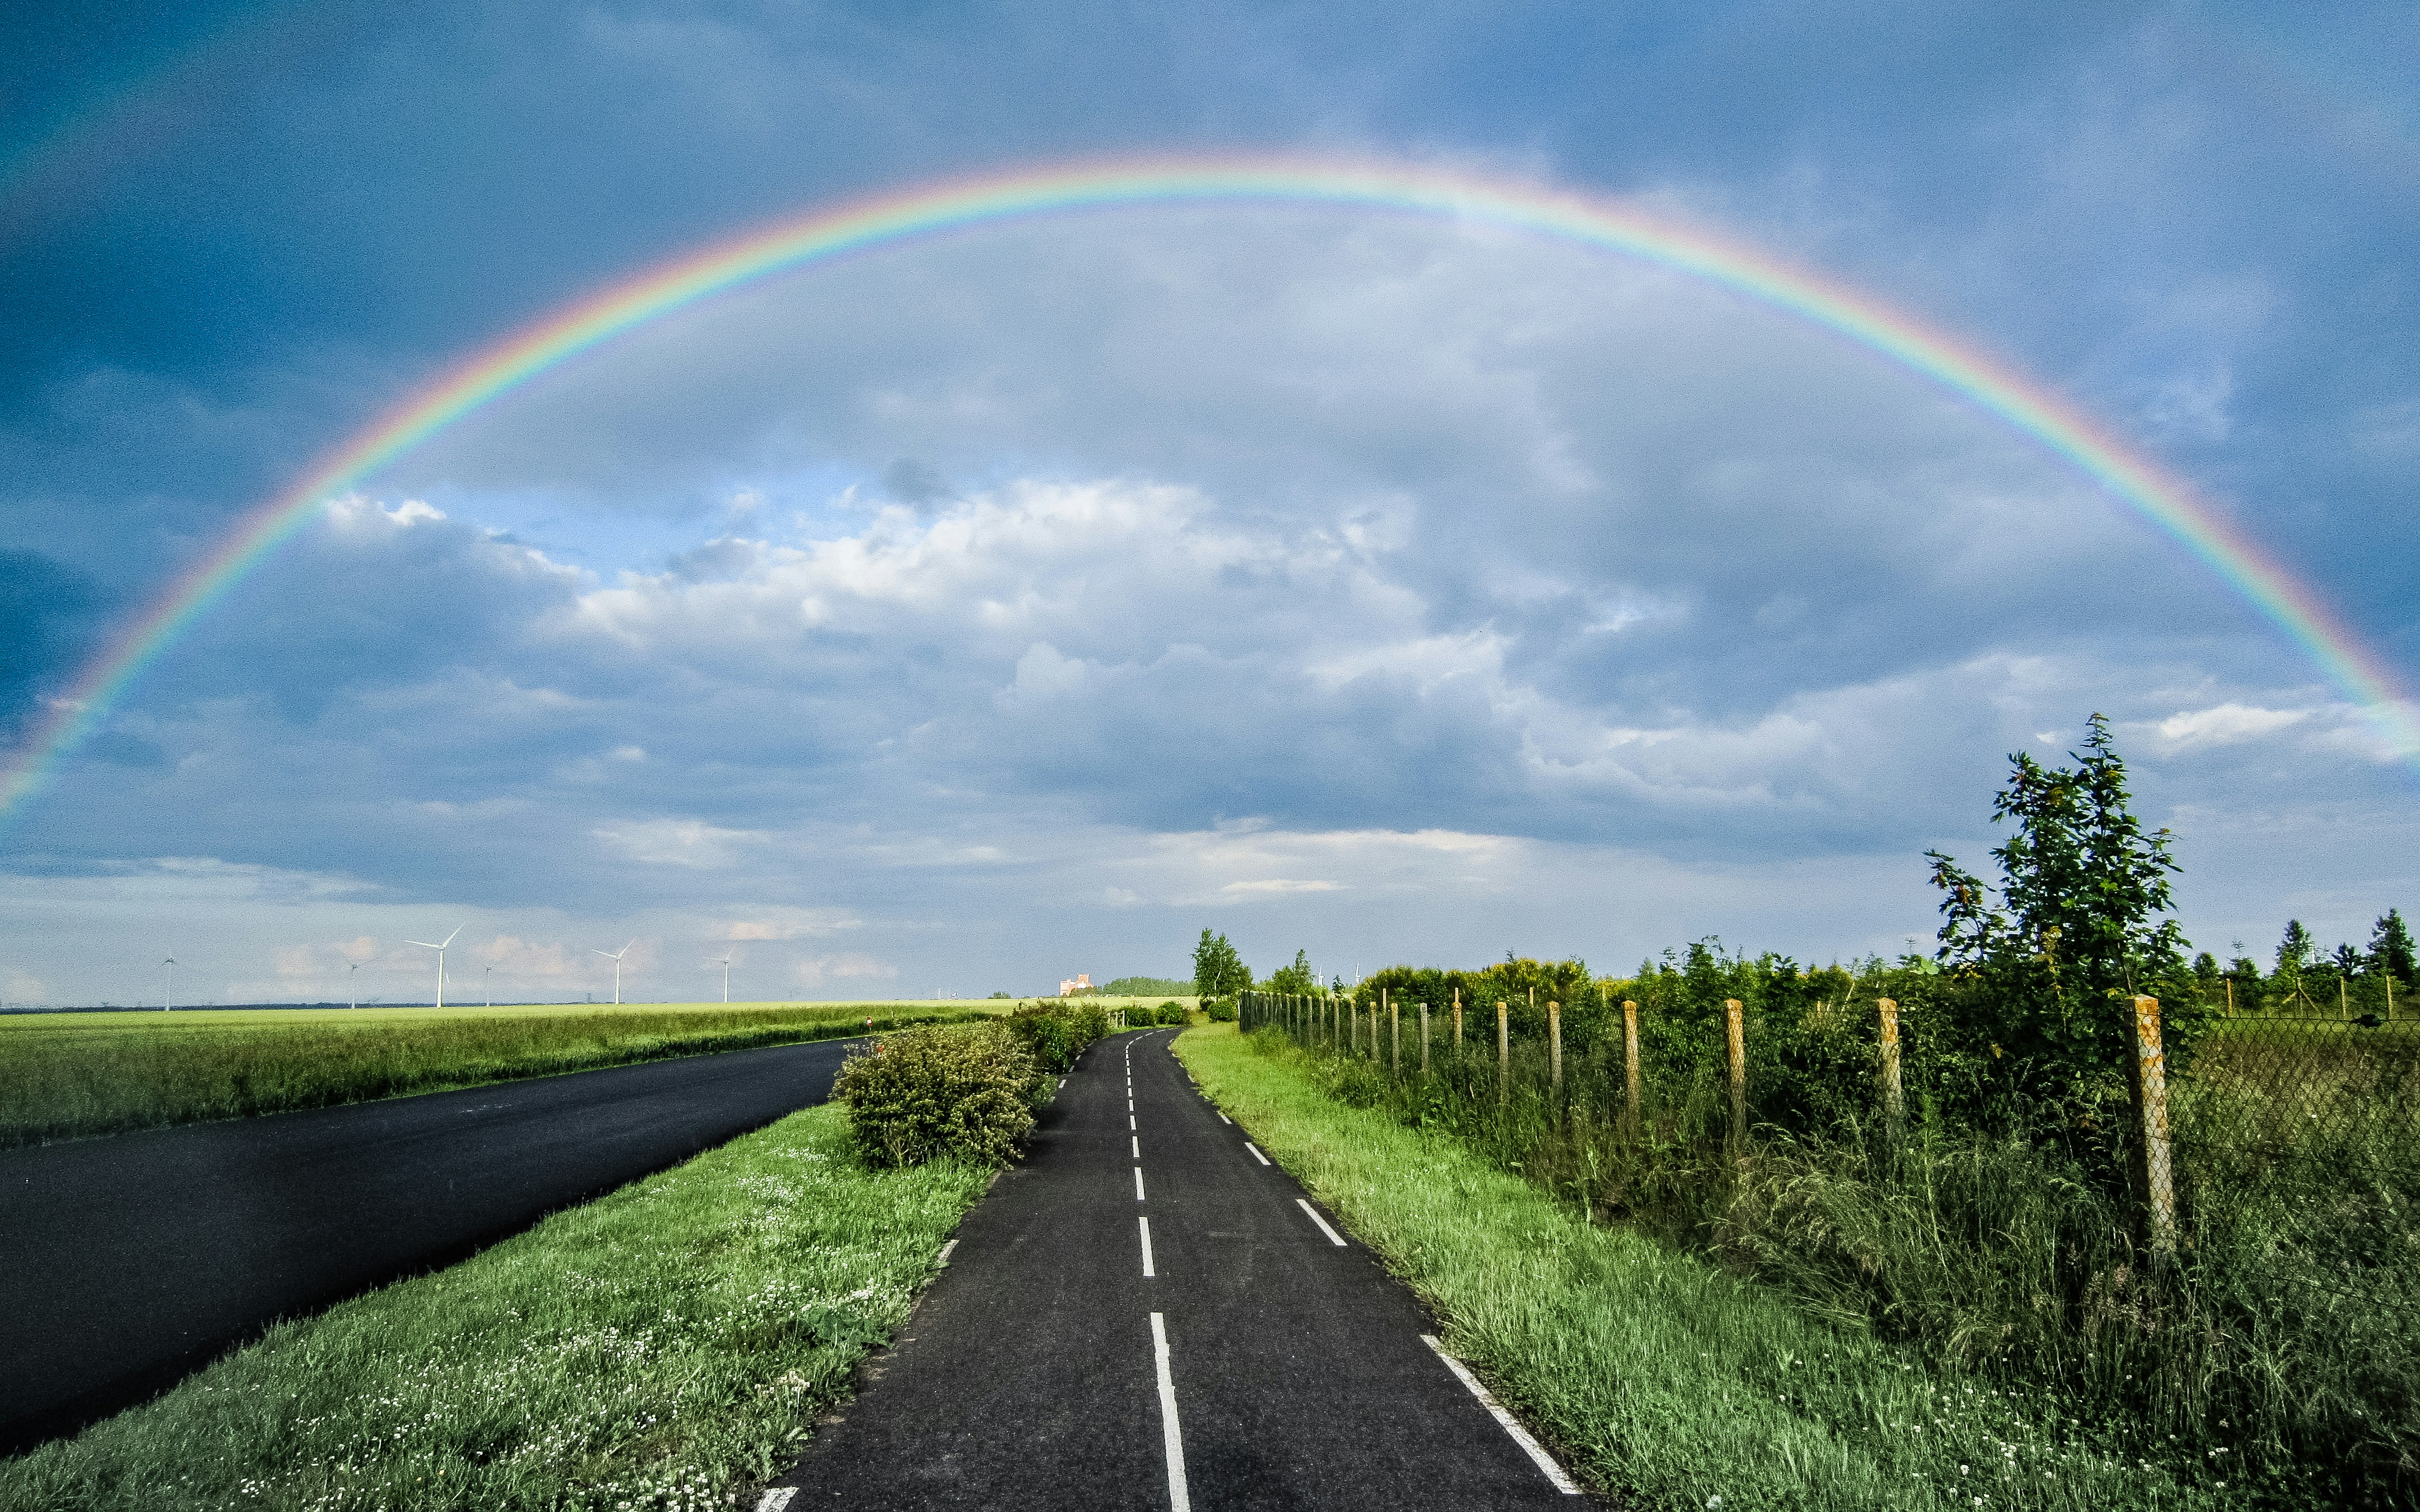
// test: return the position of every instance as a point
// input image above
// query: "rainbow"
(897, 218)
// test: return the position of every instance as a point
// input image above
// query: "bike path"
(1031, 1374)
(135, 1259)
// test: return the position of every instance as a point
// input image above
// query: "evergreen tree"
(2390, 949)
(2347, 961)
(2294, 951)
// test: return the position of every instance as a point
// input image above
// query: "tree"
(2294, 950)
(1218, 970)
(2080, 918)
(1297, 980)
(2390, 949)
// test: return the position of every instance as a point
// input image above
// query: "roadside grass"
(67, 1075)
(1671, 1382)
(665, 1347)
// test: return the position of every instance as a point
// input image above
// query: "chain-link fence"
(2298, 1137)
(2292, 1141)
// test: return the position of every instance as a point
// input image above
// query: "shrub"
(1057, 1030)
(1221, 1010)
(926, 1094)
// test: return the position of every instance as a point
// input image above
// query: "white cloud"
(2224, 724)
(683, 842)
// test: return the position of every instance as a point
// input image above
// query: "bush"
(1055, 1031)
(921, 1094)
(1221, 1010)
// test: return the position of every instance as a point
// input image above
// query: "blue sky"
(1021, 602)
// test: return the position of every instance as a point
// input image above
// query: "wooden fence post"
(1424, 1038)
(1395, 1031)
(1739, 1075)
(1354, 1031)
(1892, 1107)
(1457, 1024)
(2154, 1175)
(1555, 1045)
(1630, 1063)
(1503, 1052)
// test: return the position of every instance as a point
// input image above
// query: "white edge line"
(1222, 1117)
(1256, 1153)
(945, 1251)
(1333, 1237)
(1139, 1196)
(1147, 1273)
(776, 1499)
(1505, 1420)
(1179, 1498)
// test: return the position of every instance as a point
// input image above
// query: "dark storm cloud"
(1069, 582)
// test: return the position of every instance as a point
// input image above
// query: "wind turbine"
(168, 993)
(426, 945)
(353, 986)
(615, 956)
(484, 972)
(726, 964)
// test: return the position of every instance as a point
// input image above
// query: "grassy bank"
(1672, 1381)
(64, 1076)
(662, 1348)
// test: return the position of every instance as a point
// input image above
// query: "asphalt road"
(133, 1260)
(1260, 1364)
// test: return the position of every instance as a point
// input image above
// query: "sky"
(1001, 605)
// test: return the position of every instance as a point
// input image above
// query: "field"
(1673, 1382)
(70, 1075)
(64, 1076)
(663, 1346)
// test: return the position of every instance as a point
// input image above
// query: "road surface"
(1146, 1314)
(133, 1260)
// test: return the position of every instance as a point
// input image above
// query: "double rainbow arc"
(892, 220)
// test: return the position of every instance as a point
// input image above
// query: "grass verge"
(665, 1347)
(71, 1075)
(1673, 1382)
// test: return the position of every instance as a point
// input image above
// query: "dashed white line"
(1545, 1461)
(1256, 1153)
(1222, 1117)
(1137, 1142)
(1147, 1271)
(945, 1251)
(1130, 1123)
(1139, 1196)
(1179, 1498)
(1333, 1237)
(776, 1499)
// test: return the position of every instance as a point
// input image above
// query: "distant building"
(1076, 985)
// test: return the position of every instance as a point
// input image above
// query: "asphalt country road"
(133, 1260)
(1146, 1314)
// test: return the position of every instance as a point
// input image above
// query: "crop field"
(65, 1075)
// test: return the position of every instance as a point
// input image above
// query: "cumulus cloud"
(1391, 572)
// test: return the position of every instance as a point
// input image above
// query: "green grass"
(1669, 1380)
(64, 1076)
(665, 1347)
